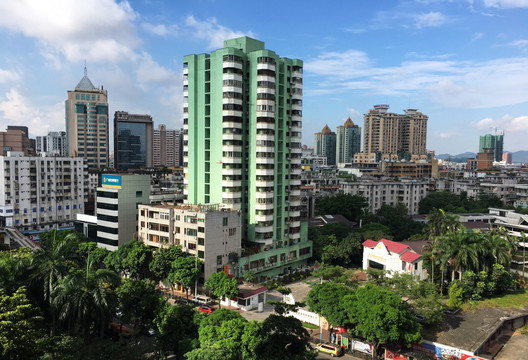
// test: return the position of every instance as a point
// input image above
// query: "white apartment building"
(210, 232)
(53, 144)
(380, 192)
(40, 193)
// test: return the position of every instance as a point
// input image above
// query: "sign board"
(361, 346)
(113, 181)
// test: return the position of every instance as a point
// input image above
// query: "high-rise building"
(87, 130)
(167, 150)
(53, 144)
(390, 133)
(495, 142)
(348, 141)
(325, 145)
(133, 138)
(507, 157)
(242, 148)
(16, 140)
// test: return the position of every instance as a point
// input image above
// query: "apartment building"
(208, 231)
(325, 145)
(40, 193)
(348, 141)
(168, 147)
(242, 147)
(53, 144)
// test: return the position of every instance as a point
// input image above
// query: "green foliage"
(249, 276)
(133, 258)
(176, 329)
(395, 218)
(90, 248)
(15, 269)
(162, 260)
(221, 285)
(326, 300)
(476, 286)
(456, 297)
(451, 202)
(379, 316)
(350, 206)
(331, 272)
(139, 301)
(185, 271)
(19, 326)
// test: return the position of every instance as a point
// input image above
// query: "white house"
(392, 256)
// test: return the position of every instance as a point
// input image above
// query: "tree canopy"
(350, 206)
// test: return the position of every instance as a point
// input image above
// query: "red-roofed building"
(393, 256)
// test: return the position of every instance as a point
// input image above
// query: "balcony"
(232, 65)
(265, 66)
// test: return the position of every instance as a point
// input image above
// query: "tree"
(132, 258)
(221, 285)
(162, 260)
(139, 301)
(326, 300)
(249, 276)
(395, 218)
(90, 248)
(51, 265)
(176, 329)
(185, 271)
(15, 269)
(350, 206)
(497, 248)
(19, 326)
(444, 200)
(380, 316)
(331, 272)
(86, 297)
(455, 297)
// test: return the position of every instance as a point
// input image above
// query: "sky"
(464, 63)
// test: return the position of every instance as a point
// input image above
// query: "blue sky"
(464, 63)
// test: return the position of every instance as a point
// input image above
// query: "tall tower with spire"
(325, 145)
(87, 123)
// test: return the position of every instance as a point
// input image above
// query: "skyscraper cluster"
(340, 147)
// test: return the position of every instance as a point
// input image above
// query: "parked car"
(332, 349)
(420, 318)
(206, 309)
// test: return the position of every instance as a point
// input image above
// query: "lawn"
(518, 299)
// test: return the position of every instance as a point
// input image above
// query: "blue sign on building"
(113, 181)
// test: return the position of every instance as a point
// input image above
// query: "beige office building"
(87, 128)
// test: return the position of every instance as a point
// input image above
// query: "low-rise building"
(210, 232)
(394, 257)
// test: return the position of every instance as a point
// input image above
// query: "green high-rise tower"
(495, 142)
(242, 148)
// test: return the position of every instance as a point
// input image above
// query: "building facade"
(210, 232)
(391, 133)
(495, 142)
(14, 140)
(133, 141)
(348, 142)
(117, 204)
(87, 130)
(168, 147)
(242, 146)
(325, 145)
(53, 144)
(40, 193)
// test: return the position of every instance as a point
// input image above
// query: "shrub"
(455, 297)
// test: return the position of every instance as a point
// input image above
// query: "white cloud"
(96, 30)
(506, 4)
(477, 36)
(8, 75)
(430, 19)
(213, 32)
(449, 83)
(484, 124)
(148, 71)
(160, 29)
(522, 44)
(16, 109)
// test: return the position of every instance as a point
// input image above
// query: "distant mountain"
(457, 158)
(520, 156)
(517, 156)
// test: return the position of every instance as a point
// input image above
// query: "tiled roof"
(245, 295)
(392, 246)
(410, 256)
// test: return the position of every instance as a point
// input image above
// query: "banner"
(361, 346)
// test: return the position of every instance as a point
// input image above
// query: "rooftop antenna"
(85, 69)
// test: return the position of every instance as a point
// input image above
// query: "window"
(201, 229)
(200, 254)
(190, 232)
(219, 260)
(201, 241)
(232, 231)
(139, 194)
(225, 221)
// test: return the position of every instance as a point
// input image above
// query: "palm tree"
(462, 249)
(85, 297)
(51, 265)
(497, 248)
(439, 224)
